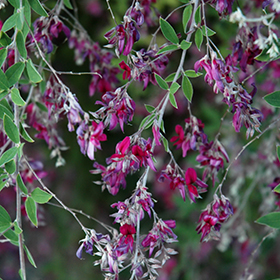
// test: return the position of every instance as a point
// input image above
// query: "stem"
(18, 191)
(55, 197)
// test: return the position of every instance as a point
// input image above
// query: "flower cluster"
(211, 219)
(104, 74)
(117, 107)
(49, 31)
(211, 157)
(184, 184)
(131, 154)
(219, 74)
(191, 137)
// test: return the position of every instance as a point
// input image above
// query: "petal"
(190, 176)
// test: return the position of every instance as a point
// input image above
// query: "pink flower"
(127, 70)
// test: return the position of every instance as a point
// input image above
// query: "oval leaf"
(20, 41)
(198, 38)
(168, 31)
(186, 16)
(31, 210)
(5, 40)
(174, 87)
(273, 99)
(4, 110)
(5, 219)
(192, 74)
(3, 55)
(10, 167)
(169, 48)
(187, 88)
(29, 256)
(161, 82)
(14, 72)
(38, 8)
(3, 81)
(173, 101)
(16, 98)
(21, 185)
(10, 22)
(33, 74)
(8, 155)
(68, 4)
(11, 129)
(185, 45)
(40, 196)
(271, 220)
(24, 134)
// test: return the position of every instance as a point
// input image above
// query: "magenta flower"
(127, 70)
(123, 36)
(127, 231)
(89, 138)
(191, 179)
(210, 220)
(117, 107)
(192, 137)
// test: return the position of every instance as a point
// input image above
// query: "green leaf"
(20, 152)
(4, 110)
(17, 228)
(31, 210)
(5, 40)
(16, 98)
(5, 219)
(3, 56)
(3, 81)
(10, 167)
(27, 18)
(198, 38)
(147, 121)
(197, 16)
(192, 74)
(24, 134)
(20, 19)
(169, 48)
(171, 77)
(14, 72)
(210, 32)
(187, 88)
(10, 22)
(3, 181)
(168, 31)
(185, 45)
(42, 107)
(149, 108)
(271, 220)
(68, 4)
(174, 87)
(38, 8)
(11, 235)
(161, 82)
(8, 155)
(33, 74)
(29, 256)
(277, 189)
(263, 56)
(165, 143)
(273, 99)
(14, 3)
(40, 196)
(11, 129)
(20, 41)
(173, 101)
(186, 16)
(3, 94)
(278, 151)
(21, 185)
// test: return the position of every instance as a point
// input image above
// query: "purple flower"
(210, 220)
(89, 138)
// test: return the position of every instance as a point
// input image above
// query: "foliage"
(188, 167)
